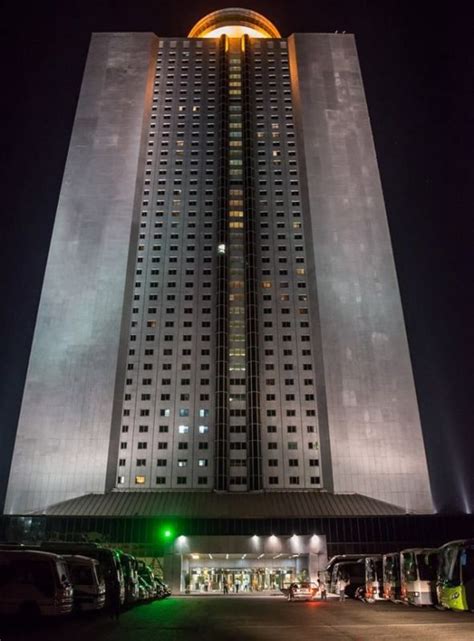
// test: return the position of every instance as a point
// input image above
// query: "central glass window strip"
(236, 265)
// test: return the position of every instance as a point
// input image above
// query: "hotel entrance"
(240, 574)
(241, 564)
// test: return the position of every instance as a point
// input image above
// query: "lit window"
(140, 480)
(183, 429)
(203, 429)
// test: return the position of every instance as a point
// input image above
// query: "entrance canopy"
(217, 506)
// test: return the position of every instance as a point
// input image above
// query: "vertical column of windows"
(221, 318)
(237, 349)
(290, 437)
(254, 454)
(166, 440)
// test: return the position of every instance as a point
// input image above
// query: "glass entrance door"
(246, 580)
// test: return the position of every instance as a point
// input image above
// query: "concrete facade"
(120, 390)
(65, 428)
(375, 437)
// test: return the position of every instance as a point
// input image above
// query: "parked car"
(304, 591)
(34, 583)
(88, 582)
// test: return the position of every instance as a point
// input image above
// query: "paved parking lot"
(241, 618)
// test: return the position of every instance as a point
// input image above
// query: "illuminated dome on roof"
(234, 22)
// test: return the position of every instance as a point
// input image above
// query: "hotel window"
(141, 462)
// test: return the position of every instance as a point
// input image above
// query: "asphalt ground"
(242, 618)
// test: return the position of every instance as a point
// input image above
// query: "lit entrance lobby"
(237, 573)
(241, 564)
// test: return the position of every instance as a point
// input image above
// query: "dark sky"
(417, 64)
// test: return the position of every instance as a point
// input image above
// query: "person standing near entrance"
(225, 587)
(237, 585)
(341, 586)
(322, 590)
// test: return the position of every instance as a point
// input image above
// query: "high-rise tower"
(220, 309)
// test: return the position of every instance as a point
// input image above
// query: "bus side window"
(467, 564)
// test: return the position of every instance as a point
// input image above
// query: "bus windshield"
(427, 566)
(409, 567)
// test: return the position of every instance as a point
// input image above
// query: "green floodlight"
(166, 533)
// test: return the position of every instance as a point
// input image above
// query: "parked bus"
(130, 573)
(391, 576)
(455, 582)
(351, 571)
(34, 583)
(109, 561)
(373, 578)
(147, 579)
(340, 558)
(87, 581)
(418, 571)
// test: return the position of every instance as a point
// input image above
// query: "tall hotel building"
(220, 313)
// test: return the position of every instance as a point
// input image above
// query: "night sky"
(417, 66)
